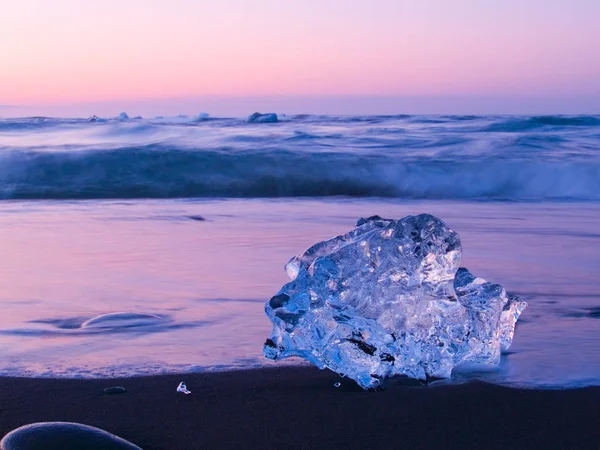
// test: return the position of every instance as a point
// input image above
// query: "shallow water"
(65, 263)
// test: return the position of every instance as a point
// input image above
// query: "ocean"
(144, 246)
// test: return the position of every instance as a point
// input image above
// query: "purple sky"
(231, 57)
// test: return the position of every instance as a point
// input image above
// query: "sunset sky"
(303, 55)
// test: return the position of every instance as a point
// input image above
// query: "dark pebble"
(197, 218)
(63, 436)
(115, 390)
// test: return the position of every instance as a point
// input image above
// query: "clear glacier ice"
(201, 117)
(388, 298)
(263, 118)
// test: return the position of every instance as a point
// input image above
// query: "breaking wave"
(155, 172)
(410, 157)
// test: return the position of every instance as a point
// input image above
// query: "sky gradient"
(69, 55)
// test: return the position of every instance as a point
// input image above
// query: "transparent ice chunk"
(389, 298)
(263, 118)
(183, 388)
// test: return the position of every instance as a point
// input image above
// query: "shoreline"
(299, 407)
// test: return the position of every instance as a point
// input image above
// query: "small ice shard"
(123, 116)
(262, 118)
(183, 388)
(388, 298)
(96, 119)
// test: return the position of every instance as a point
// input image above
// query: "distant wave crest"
(532, 123)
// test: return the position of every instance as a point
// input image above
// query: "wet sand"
(299, 407)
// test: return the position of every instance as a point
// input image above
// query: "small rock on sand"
(63, 436)
(115, 390)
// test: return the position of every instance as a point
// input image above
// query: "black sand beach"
(298, 407)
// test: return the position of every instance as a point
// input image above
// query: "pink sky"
(66, 52)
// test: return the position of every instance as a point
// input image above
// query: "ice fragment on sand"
(389, 298)
(183, 388)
